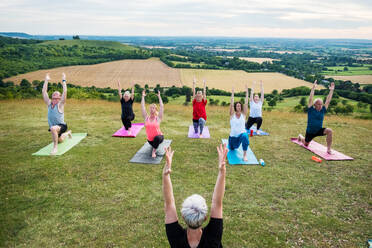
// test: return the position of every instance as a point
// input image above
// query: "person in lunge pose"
(255, 107)
(56, 106)
(127, 115)
(199, 116)
(315, 117)
(152, 123)
(238, 134)
(194, 210)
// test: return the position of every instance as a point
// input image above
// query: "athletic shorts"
(62, 130)
(310, 136)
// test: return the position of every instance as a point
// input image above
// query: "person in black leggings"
(127, 115)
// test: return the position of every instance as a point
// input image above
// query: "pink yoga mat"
(136, 128)
(192, 134)
(321, 151)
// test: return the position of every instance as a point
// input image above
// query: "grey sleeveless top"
(54, 116)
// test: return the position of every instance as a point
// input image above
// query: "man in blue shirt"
(315, 116)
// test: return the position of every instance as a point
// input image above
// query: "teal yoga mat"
(236, 156)
(63, 147)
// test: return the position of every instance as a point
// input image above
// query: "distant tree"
(61, 38)
(344, 102)
(303, 101)
(76, 37)
(275, 92)
(272, 103)
(188, 96)
(25, 83)
(370, 108)
(346, 68)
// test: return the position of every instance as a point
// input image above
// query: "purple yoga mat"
(136, 128)
(192, 134)
(321, 151)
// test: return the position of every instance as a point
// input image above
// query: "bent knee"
(328, 131)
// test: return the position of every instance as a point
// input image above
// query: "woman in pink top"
(152, 123)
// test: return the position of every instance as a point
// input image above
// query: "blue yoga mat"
(254, 128)
(236, 156)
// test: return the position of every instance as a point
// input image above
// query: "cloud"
(189, 17)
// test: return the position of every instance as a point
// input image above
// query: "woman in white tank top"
(255, 113)
(238, 135)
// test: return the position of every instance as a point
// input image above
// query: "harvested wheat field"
(225, 79)
(153, 71)
(361, 79)
(150, 71)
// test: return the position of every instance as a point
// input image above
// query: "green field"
(352, 71)
(90, 43)
(92, 197)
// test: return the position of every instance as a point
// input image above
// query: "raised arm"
(311, 95)
(64, 86)
(219, 188)
(205, 91)
(329, 97)
(143, 108)
(119, 90)
(132, 94)
(161, 106)
(169, 203)
(193, 89)
(245, 109)
(252, 90)
(232, 102)
(262, 92)
(45, 90)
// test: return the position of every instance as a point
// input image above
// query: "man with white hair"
(56, 121)
(315, 116)
(194, 210)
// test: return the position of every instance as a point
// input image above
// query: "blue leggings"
(199, 123)
(234, 142)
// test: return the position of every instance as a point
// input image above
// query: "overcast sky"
(243, 18)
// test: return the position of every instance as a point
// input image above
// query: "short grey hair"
(194, 211)
(127, 93)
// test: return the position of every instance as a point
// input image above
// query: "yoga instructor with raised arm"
(199, 116)
(315, 117)
(56, 115)
(194, 210)
(127, 115)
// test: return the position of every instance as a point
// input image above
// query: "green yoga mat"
(63, 147)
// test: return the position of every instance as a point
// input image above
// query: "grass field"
(352, 71)
(92, 196)
(153, 71)
(362, 79)
(90, 43)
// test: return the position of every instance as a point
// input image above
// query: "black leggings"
(157, 141)
(127, 121)
(252, 120)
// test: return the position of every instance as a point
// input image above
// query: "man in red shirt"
(199, 116)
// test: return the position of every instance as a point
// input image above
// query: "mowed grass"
(92, 197)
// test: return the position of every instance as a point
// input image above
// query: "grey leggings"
(198, 123)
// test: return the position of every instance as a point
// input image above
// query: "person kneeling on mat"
(127, 115)
(199, 116)
(57, 125)
(194, 210)
(152, 123)
(255, 107)
(238, 134)
(315, 117)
